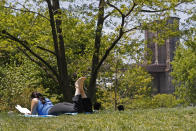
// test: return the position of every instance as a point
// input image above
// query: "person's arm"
(34, 103)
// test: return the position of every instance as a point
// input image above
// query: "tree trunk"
(55, 21)
(63, 72)
(95, 59)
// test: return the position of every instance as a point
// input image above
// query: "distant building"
(161, 57)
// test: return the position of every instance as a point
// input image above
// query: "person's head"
(39, 96)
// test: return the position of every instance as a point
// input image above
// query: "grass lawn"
(172, 119)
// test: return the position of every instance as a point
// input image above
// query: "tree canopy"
(76, 37)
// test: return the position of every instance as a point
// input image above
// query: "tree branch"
(54, 33)
(108, 51)
(132, 8)
(155, 11)
(134, 28)
(121, 32)
(39, 64)
(115, 8)
(26, 11)
(110, 13)
(113, 44)
(41, 48)
(24, 44)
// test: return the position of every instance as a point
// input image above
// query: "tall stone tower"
(161, 57)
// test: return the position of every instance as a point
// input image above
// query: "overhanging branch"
(26, 11)
(24, 44)
(161, 10)
(108, 51)
(121, 32)
(113, 44)
(134, 28)
(115, 8)
(44, 49)
(132, 8)
(109, 14)
(39, 64)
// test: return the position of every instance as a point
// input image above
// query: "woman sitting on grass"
(43, 106)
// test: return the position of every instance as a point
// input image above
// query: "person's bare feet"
(80, 83)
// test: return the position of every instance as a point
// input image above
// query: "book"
(22, 110)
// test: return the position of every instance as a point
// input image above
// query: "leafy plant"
(184, 74)
(17, 82)
(135, 82)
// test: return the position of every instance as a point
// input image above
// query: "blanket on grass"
(26, 112)
(73, 114)
(48, 115)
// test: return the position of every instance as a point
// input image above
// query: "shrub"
(106, 98)
(164, 100)
(157, 101)
(9, 101)
(135, 81)
(184, 74)
(16, 83)
(139, 103)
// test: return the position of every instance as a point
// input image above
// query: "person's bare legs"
(79, 85)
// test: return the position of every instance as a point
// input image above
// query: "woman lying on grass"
(43, 106)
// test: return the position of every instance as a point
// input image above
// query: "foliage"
(135, 81)
(114, 68)
(157, 101)
(139, 103)
(184, 64)
(26, 26)
(184, 74)
(73, 46)
(17, 81)
(79, 39)
(174, 119)
(121, 20)
(106, 97)
(164, 100)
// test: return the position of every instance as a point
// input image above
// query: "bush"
(16, 83)
(157, 101)
(184, 74)
(106, 98)
(164, 100)
(140, 102)
(135, 81)
(9, 101)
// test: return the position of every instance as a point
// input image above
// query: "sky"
(181, 15)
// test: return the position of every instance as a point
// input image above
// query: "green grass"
(172, 119)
